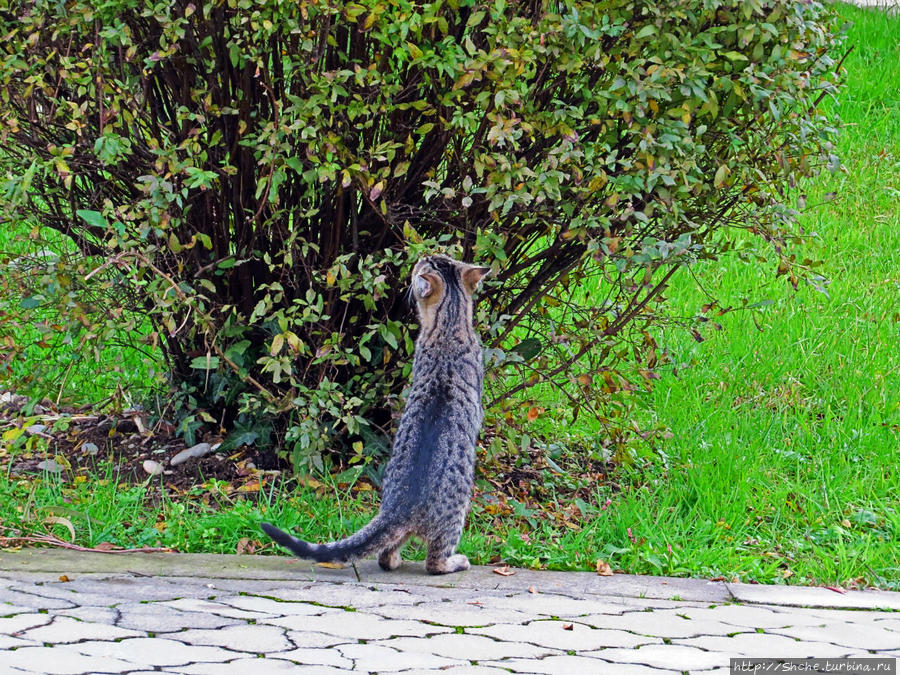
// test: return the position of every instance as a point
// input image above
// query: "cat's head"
(441, 284)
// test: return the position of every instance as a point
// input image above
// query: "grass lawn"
(782, 465)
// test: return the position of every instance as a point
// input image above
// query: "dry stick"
(54, 541)
(614, 328)
(269, 396)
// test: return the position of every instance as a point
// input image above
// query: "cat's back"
(440, 423)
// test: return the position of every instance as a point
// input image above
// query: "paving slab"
(128, 613)
(799, 596)
(763, 645)
(564, 635)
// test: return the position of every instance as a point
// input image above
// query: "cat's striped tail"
(373, 538)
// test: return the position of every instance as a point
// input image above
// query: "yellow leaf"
(603, 568)
(721, 175)
(414, 51)
(65, 522)
(331, 565)
(277, 344)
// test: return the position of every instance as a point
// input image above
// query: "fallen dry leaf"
(568, 626)
(504, 571)
(331, 565)
(532, 589)
(64, 578)
(105, 546)
(246, 546)
(603, 568)
(65, 522)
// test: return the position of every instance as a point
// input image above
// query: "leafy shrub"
(254, 179)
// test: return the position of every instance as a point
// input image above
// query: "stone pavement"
(64, 612)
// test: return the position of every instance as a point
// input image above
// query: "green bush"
(253, 180)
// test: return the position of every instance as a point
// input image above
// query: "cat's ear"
(473, 274)
(424, 284)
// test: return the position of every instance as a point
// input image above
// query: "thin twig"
(6, 542)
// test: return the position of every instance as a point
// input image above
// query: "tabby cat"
(428, 479)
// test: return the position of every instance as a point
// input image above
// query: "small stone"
(35, 429)
(190, 453)
(50, 466)
(90, 448)
(153, 468)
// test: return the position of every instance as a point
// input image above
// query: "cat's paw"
(389, 560)
(455, 563)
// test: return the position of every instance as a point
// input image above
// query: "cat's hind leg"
(442, 557)
(389, 558)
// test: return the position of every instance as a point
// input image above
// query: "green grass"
(48, 366)
(787, 423)
(782, 465)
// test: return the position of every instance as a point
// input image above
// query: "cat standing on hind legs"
(428, 480)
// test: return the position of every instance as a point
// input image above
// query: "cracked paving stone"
(106, 615)
(131, 589)
(63, 660)
(463, 670)
(65, 629)
(762, 645)
(21, 622)
(343, 595)
(154, 651)
(211, 607)
(451, 614)
(673, 657)
(377, 658)
(356, 625)
(9, 642)
(567, 664)
(888, 624)
(550, 633)
(807, 616)
(8, 609)
(313, 640)
(245, 666)
(159, 618)
(857, 636)
(660, 624)
(257, 639)
(31, 601)
(475, 647)
(735, 616)
(268, 606)
(314, 657)
(75, 598)
(555, 605)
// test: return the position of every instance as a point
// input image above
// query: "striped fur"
(428, 479)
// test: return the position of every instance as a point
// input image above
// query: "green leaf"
(205, 362)
(528, 348)
(31, 302)
(93, 218)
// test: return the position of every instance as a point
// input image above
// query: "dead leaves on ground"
(603, 568)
